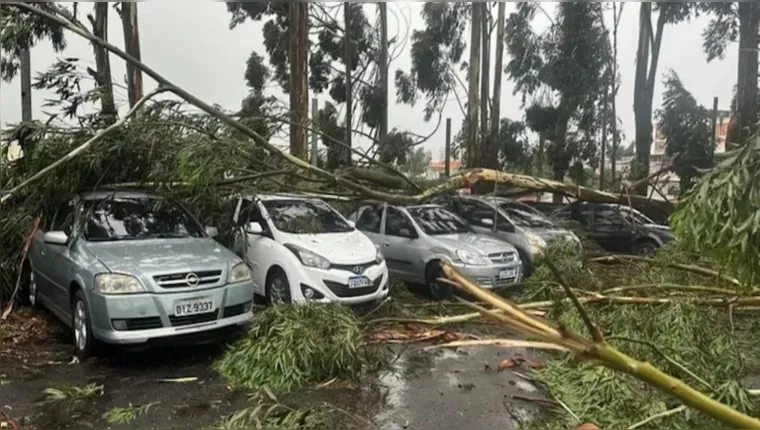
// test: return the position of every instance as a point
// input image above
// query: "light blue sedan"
(130, 267)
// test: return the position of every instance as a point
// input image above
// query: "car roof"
(424, 206)
(102, 194)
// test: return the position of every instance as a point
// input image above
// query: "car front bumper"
(139, 318)
(493, 276)
(332, 285)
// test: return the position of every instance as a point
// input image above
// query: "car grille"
(193, 319)
(357, 269)
(503, 257)
(342, 290)
(146, 323)
(180, 280)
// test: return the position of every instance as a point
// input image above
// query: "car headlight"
(473, 258)
(379, 258)
(308, 258)
(239, 273)
(116, 283)
(536, 241)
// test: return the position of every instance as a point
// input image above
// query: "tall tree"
(325, 49)
(298, 40)
(131, 27)
(20, 29)
(437, 54)
(647, 59)
(731, 21)
(383, 74)
(491, 147)
(102, 72)
(560, 74)
(473, 109)
(687, 128)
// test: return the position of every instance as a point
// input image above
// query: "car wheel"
(28, 292)
(278, 288)
(438, 290)
(645, 248)
(84, 342)
(527, 265)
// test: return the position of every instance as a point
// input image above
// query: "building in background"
(437, 169)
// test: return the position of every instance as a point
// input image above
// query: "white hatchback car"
(302, 249)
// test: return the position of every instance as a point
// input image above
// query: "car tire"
(27, 294)
(81, 323)
(278, 288)
(437, 290)
(527, 265)
(645, 248)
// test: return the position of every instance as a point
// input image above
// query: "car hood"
(338, 248)
(550, 234)
(162, 255)
(474, 242)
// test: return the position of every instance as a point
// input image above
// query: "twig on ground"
(376, 308)
(357, 418)
(27, 244)
(596, 334)
(685, 267)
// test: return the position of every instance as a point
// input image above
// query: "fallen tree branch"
(668, 286)
(685, 267)
(83, 147)
(501, 343)
(601, 352)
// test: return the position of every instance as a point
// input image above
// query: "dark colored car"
(616, 228)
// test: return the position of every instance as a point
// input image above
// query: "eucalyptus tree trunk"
(383, 61)
(746, 82)
(299, 89)
(349, 85)
(131, 29)
(102, 72)
(473, 141)
(492, 150)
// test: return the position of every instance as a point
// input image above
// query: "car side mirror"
(212, 231)
(254, 228)
(509, 228)
(487, 222)
(351, 223)
(56, 238)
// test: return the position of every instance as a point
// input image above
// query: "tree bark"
(746, 83)
(473, 141)
(605, 116)
(349, 85)
(383, 131)
(485, 39)
(131, 29)
(299, 89)
(642, 112)
(615, 87)
(492, 158)
(102, 74)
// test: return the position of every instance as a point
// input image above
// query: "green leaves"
(687, 127)
(719, 216)
(290, 347)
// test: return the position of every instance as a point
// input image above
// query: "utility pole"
(26, 85)
(314, 134)
(349, 87)
(447, 153)
(713, 135)
(131, 29)
(383, 132)
(299, 84)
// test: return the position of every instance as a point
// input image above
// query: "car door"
(399, 236)
(609, 228)
(474, 212)
(59, 262)
(258, 248)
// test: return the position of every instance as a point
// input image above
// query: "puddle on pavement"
(445, 389)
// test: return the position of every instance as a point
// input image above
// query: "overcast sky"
(190, 43)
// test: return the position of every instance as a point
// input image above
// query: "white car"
(302, 249)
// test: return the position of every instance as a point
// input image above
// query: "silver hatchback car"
(130, 267)
(415, 239)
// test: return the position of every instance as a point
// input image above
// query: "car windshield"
(437, 220)
(635, 217)
(305, 217)
(127, 218)
(525, 216)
